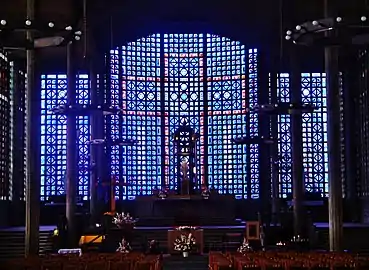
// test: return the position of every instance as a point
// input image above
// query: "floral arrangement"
(123, 219)
(184, 243)
(189, 228)
(124, 246)
(245, 247)
(153, 246)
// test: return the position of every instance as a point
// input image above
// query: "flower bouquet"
(245, 247)
(123, 220)
(184, 244)
(124, 246)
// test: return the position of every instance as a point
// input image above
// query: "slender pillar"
(71, 146)
(351, 84)
(264, 153)
(33, 109)
(274, 149)
(296, 138)
(334, 174)
(94, 148)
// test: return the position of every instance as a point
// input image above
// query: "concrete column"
(274, 149)
(334, 164)
(351, 85)
(94, 148)
(33, 108)
(296, 137)
(264, 153)
(72, 170)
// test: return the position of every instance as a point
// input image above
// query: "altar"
(191, 210)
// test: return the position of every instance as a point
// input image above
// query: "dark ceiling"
(260, 23)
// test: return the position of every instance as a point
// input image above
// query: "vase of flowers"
(245, 247)
(124, 246)
(124, 224)
(184, 244)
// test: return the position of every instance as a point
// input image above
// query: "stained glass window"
(184, 96)
(314, 133)
(164, 80)
(228, 65)
(83, 137)
(54, 139)
(284, 136)
(5, 180)
(140, 78)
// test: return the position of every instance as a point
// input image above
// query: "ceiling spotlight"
(78, 33)
(3, 22)
(315, 23)
(288, 37)
(363, 18)
(77, 37)
(28, 22)
(68, 28)
(51, 24)
(338, 19)
(289, 32)
(298, 27)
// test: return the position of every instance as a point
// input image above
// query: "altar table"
(197, 234)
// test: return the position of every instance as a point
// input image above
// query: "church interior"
(184, 134)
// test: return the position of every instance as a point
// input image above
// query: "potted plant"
(184, 243)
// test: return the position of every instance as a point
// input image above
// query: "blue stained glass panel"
(54, 138)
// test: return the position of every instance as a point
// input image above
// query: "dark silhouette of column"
(333, 108)
(296, 137)
(274, 149)
(94, 149)
(33, 108)
(351, 81)
(264, 153)
(71, 146)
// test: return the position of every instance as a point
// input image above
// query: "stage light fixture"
(69, 28)
(51, 24)
(298, 27)
(363, 18)
(288, 37)
(28, 22)
(315, 23)
(338, 19)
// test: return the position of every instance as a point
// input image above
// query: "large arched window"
(161, 80)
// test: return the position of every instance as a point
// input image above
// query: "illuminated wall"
(165, 79)
(54, 140)
(314, 132)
